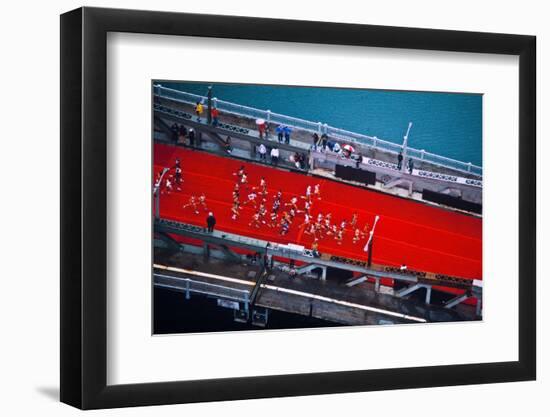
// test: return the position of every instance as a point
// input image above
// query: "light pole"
(404, 146)
(209, 115)
(156, 193)
(368, 246)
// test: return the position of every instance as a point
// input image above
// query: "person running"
(339, 236)
(193, 204)
(307, 207)
(244, 181)
(255, 221)
(235, 211)
(262, 211)
(284, 227)
(198, 110)
(307, 221)
(240, 172)
(272, 219)
(177, 178)
(356, 236)
(202, 201)
(168, 186)
(251, 199)
(353, 222)
(293, 203)
(317, 191)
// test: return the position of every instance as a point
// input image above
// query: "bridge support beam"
(478, 307)
(311, 267)
(356, 281)
(406, 291)
(457, 300)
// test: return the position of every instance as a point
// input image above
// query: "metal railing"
(189, 285)
(320, 128)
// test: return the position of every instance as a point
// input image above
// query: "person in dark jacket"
(175, 132)
(411, 165)
(399, 161)
(191, 137)
(210, 222)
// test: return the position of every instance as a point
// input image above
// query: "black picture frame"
(84, 207)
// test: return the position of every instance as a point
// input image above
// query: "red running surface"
(421, 236)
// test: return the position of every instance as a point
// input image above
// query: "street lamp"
(368, 246)
(156, 192)
(404, 146)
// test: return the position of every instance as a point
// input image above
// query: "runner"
(193, 204)
(202, 202)
(235, 211)
(317, 191)
(255, 221)
(251, 199)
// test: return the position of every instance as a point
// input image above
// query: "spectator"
(287, 130)
(315, 140)
(215, 113)
(262, 150)
(198, 110)
(399, 161)
(336, 148)
(261, 129)
(411, 165)
(315, 249)
(210, 222)
(280, 130)
(324, 141)
(191, 137)
(275, 156)
(182, 133)
(228, 147)
(175, 130)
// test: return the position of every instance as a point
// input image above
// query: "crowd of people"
(270, 209)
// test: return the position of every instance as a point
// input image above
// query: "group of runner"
(166, 182)
(281, 215)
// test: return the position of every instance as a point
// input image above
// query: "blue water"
(447, 124)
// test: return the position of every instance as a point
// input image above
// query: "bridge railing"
(320, 128)
(189, 285)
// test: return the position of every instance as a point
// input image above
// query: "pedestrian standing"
(287, 131)
(324, 141)
(280, 131)
(215, 113)
(411, 165)
(198, 110)
(210, 222)
(261, 129)
(275, 156)
(315, 140)
(399, 161)
(262, 150)
(175, 131)
(182, 133)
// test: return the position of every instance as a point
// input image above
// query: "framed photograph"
(257, 208)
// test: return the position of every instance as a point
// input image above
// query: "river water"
(447, 124)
